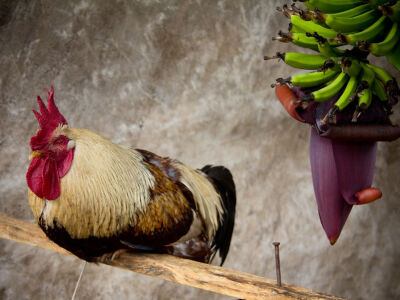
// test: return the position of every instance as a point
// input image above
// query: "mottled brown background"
(184, 79)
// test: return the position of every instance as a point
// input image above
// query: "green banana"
(309, 5)
(369, 34)
(364, 92)
(300, 39)
(394, 56)
(295, 29)
(352, 24)
(384, 47)
(330, 6)
(325, 48)
(300, 60)
(313, 79)
(350, 66)
(329, 90)
(365, 98)
(368, 75)
(390, 86)
(352, 12)
(393, 12)
(381, 74)
(377, 3)
(345, 97)
(310, 26)
(379, 90)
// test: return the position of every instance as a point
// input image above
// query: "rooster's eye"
(58, 141)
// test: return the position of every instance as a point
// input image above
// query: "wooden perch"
(208, 277)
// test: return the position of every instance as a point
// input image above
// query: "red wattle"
(51, 181)
(44, 173)
(34, 176)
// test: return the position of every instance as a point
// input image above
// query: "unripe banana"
(368, 75)
(300, 60)
(327, 92)
(352, 12)
(295, 29)
(305, 80)
(345, 97)
(352, 24)
(369, 34)
(379, 90)
(377, 3)
(381, 74)
(300, 39)
(350, 66)
(394, 56)
(365, 99)
(393, 12)
(310, 26)
(325, 48)
(384, 47)
(330, 6)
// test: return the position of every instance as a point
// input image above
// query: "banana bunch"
(366, 26)
(371, 25)
(345, 97)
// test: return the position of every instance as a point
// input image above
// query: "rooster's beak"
(35, 154)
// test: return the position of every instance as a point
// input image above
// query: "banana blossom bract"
(342, 158)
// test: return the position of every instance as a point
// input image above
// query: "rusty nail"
(277, 263)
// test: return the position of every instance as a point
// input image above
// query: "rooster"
(96, 198)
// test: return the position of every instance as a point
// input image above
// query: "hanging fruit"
(346, 98)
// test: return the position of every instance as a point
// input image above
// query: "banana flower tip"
(333, 240)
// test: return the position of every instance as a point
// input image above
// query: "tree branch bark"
(208, 277)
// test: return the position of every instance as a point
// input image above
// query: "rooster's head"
(52, 152)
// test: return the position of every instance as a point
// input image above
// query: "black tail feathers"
(222, 180)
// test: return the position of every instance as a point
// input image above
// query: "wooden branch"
(167, 267)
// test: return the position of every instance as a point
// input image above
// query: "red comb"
(49, 114)
(49, 119)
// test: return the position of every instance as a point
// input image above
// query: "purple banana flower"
(342, 155)
(339, 171)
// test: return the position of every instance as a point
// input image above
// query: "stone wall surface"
(184, 79)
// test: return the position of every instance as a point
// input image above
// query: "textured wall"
(184, 79)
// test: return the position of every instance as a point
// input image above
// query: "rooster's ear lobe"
(71, 144)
